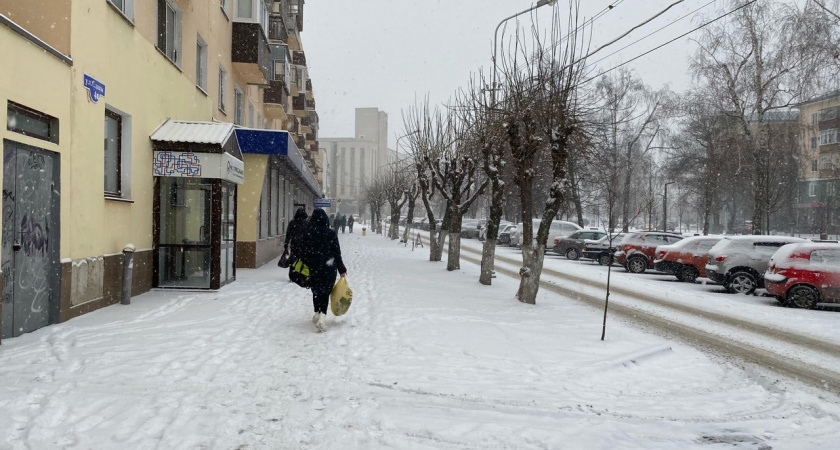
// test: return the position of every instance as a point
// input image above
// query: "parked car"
(638, 248)
(572, 245)
(504, 234)
(687, 258)
(558, 228)
(802, 275)
(470, 228)
(739, 262)
(601, 250)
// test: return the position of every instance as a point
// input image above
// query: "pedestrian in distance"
(343, 223)
(318, 247)
(294, 229)
(350, 222)
(336, 222)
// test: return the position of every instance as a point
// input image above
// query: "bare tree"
(756, 62)
(543, 112)
(395, 184)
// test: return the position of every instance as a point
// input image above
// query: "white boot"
(315, 318)
(321, 324)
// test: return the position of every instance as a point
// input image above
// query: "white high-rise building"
(351, 162)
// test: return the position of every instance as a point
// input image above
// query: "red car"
(687, 258)
(637, 249)
(802, 275)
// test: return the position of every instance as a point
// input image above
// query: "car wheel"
(572, 254)
(742, 283)
(637, 264)
(804, 297)
(688, 274)
(605, 260)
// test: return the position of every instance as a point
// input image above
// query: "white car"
(558, 228)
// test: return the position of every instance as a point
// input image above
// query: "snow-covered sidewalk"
(424, 359)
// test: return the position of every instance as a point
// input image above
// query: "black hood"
(300, 214)
(319, 218)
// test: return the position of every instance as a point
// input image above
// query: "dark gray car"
(572, 245)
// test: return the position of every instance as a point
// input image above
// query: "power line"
(670, 41)
(654, 32)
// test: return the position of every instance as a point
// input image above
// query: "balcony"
(310, 103)
(292, 125)
(309, 85)
(299, 58)
(277, 29)
(305, 121)
(276, 99)
(250, 53)
(299, 104)
(310, 137)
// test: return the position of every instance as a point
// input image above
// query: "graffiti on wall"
(175, 164)
(27, 259)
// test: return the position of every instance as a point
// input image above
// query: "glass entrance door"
(228, 233)
(185, 223)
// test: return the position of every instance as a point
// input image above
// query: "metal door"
(30, 238)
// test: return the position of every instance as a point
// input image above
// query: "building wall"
(51, 23)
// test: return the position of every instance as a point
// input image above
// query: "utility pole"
(665, 207)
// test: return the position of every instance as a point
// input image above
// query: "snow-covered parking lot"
(425, 359)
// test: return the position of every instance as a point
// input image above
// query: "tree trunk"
(395, 222)
(409, 218)
(441, 237)
(453, 261)
(488, 254)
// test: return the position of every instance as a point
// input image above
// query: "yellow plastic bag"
(341, 297)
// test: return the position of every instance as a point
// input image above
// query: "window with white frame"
(825, 163)
(812, 190)
(201, 63)
(126, 7)
(238, 106)
(117, 157)
(222, 88)
(814, 119)
(814, 166)
(828, 136)
(829, 188)
(245, 9)
(225, 5)
(169, 30)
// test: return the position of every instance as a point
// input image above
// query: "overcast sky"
(388, 53)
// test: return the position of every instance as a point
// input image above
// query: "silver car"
(739, 262)
(558, 228)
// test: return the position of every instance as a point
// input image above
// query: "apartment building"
(199, 171)
(818, 194)
(353, 161)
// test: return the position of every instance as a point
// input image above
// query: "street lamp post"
(540, 3)
(665, 207)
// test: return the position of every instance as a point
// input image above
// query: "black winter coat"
(296, 226)
(319, 249)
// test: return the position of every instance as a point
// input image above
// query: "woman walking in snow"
(296, 226)
(350, 222)
(319, 249)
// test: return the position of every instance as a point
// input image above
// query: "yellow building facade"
(80, 73)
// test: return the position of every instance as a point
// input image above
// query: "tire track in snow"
(818, 377)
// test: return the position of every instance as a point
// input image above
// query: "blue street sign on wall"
(323, 202)
(95, 88)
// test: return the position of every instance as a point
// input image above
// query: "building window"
(828, 114)
(169, 30)
(813, 142)
(814, 119)
(250, 115)
(225, 5)
(238, 106)
(829, 189)
(825, 163)
(828, 136)
(812, 190)
(222, 88)
(27, 121)
(814, 166)
(245, 9)
(126, 7)
(113, 153)
(201, 64)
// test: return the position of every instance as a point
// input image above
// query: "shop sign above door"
(96, 89)
(199, 165)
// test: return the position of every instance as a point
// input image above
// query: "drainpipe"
(128, 268)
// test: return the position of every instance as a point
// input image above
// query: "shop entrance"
(195, 232)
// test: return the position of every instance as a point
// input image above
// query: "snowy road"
(425, 359)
